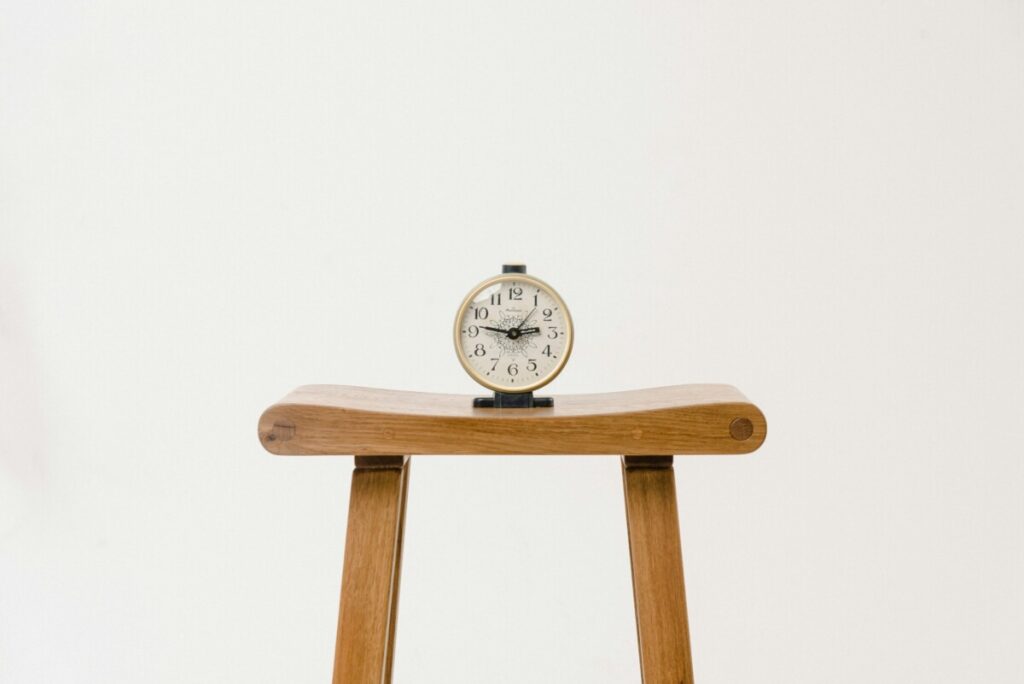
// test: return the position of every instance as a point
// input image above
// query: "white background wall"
(205, 204)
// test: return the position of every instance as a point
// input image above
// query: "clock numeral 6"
(479, 350)
(513, 369)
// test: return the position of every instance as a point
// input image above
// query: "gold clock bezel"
(508, 277)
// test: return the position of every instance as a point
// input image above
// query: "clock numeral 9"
(515, 294)
(513, 369)
(473, 331)
(480, 312)
(547, 314)
(479, 350)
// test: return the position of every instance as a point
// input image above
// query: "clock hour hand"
(513, 332)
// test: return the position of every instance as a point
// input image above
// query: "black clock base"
(519, 400)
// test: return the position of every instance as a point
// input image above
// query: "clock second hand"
(519, 328)
(523, 322)
(517, 331)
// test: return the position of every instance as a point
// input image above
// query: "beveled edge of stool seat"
(674, 420)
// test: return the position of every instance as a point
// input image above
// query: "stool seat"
(675, 420)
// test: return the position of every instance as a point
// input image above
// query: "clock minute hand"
(487, 327)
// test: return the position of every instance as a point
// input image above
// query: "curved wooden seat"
(676, 420)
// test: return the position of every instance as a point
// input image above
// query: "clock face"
(513, 333)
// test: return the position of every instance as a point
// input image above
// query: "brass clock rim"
(482, 380)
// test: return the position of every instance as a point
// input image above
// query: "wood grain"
(373, 555)
(682, 419)
(657, 561)
(389, 656)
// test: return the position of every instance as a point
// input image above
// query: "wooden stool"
(383, 428)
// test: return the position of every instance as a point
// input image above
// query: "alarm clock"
(513, 333)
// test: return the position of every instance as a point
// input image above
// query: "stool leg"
(373, 560)
(657, 560)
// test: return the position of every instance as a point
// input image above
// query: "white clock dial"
(513, 333)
